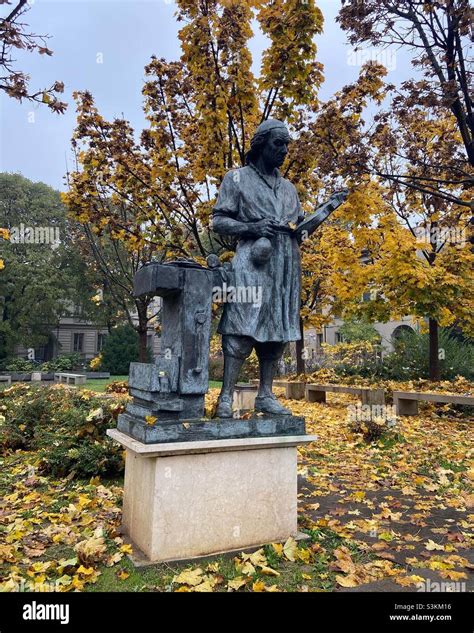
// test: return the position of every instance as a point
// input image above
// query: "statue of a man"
(262, 209)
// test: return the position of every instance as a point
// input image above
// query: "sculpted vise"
(261, 208)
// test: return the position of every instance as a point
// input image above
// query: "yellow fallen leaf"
(236, 583)
(123, 575)
(268, 571)
(278, 547)
(91, 550)
(191, 577)
(204, 587)
(431, 545)
(259, 585)
(150, 419)
(126, 548)
(258, 558)
(346, 581)
(407, 581)
(248, 569)
(85, 571)
(290, 548)
(453, 575)
(304, 555)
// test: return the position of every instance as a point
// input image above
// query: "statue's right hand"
(262, 228)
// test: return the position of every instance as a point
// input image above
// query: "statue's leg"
(236, 349)
(268, 355)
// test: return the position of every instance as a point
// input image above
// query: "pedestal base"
(191, 430)
(191, 499)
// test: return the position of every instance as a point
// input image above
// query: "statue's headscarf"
(260, 136)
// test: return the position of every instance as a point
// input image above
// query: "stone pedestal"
(195, 498)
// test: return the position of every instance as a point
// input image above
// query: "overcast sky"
(123, 34)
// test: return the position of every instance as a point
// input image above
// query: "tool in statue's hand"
(322, 212)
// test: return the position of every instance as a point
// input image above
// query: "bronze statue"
(261, 208)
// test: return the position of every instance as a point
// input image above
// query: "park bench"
(75, 379)
(406, 402)
(293, 390)
(7, 379)
(317, 393)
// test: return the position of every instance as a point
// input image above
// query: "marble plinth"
(197, 498)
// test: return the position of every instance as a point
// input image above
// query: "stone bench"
(406, 402)
(244, 396)
(317, 393)
(7, 379)
(75, 379)
(293, 390)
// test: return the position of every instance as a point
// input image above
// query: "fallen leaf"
(290, 548)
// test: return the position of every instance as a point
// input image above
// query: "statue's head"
(269, 143)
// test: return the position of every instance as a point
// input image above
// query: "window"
(319, 339)
(101, 338)
(78, 345)
(338, 338)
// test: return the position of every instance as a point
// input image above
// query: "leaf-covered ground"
(389, 514)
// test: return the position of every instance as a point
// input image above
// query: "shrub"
(64, 362)
(95, 363)
(355, 331)
(410, 358)
(66, 426)
(216, 367)
(118, 386)
(360, 358)
(121, 348)
(20, 365)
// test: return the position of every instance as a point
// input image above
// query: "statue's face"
(276, 148)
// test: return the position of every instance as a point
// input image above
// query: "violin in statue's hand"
(321, 213)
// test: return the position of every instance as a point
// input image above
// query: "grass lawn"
(99, 385)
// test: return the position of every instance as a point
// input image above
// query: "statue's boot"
(232, 367)
(269, 404)
(266, 401)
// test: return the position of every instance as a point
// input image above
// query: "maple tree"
(416, 246)
(15, 36)
(201, 112)
(155, 194)
(437, 34)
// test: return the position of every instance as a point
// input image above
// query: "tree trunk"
(143, 340)
(142, 331)
(300, 363)
(434, 351)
